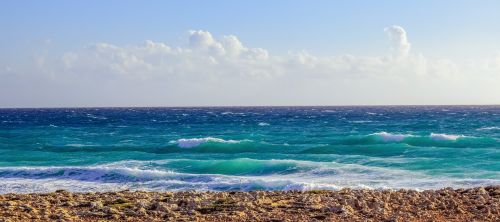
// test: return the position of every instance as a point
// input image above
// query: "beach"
(447, 204)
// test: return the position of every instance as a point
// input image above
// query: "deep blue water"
(248, 148)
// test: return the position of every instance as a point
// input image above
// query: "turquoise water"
(249, 148)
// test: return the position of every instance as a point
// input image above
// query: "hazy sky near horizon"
(207, 53)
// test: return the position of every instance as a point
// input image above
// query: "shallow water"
(248, 148)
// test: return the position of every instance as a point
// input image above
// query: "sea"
(249, 148)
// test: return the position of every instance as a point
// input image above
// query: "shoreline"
(447, 204)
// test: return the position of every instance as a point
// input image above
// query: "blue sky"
(319, 26)
(456, 32)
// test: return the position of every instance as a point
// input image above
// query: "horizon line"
(245, 106)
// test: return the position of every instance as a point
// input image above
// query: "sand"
(477, 204)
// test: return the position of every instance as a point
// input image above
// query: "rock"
(5, 204)
(26, 208)
(346, 205)
(110, 211)
(481, 190)
(96, 205)
(160, 206)
(65, 192)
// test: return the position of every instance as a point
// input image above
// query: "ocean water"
(249, 148)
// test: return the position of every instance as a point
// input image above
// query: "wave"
(361, 121)
(91, 116)
(194, 142)
(378, 143)
(239, 166)
(232, 113)
(263, 124)
(101, 173)
(442, 136)
(430, 140)
(489, 128)
(143, 175)
(397, 137)
(390, 137)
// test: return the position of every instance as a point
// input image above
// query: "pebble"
(475, 204)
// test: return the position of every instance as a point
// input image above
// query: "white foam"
(95, 117)
(79, 145)
(361, 121)
(489, 128)
(391, 137)
(118, 173)
(442, 136)
(193, 142)
(263, 124)
(232, 113)
(397, 137)
(133, 175)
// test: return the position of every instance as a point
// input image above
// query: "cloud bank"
(210, 70)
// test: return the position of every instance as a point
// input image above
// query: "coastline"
(447, 204)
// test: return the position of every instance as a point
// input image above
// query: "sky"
(235, 53)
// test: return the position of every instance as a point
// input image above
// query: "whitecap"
(79, 145)
(263, 124)
(391, 137)
(231, 113)
(489, 128)
(361, 121)
(193, 142)
(144, 175)
(96, 117)
(442, 136)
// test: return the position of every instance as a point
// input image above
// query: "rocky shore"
(477, 204)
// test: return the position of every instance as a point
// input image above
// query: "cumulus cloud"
(399, 40)
(206, 56)
(212, 70)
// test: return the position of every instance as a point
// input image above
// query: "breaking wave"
(238, 174)
(429, 140)
(193, 142)
(441, 136)
(390, 137)
(489, 128)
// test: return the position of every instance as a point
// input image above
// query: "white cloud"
(224, 71)
(207, 56)
(399, 40)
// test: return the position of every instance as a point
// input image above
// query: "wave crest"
(426, 140)
(390, 137)
(398, 137)
(442, 136)
(489, 128)
(257, 175)
(194, 142)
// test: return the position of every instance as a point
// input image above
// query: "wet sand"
(477, 204)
